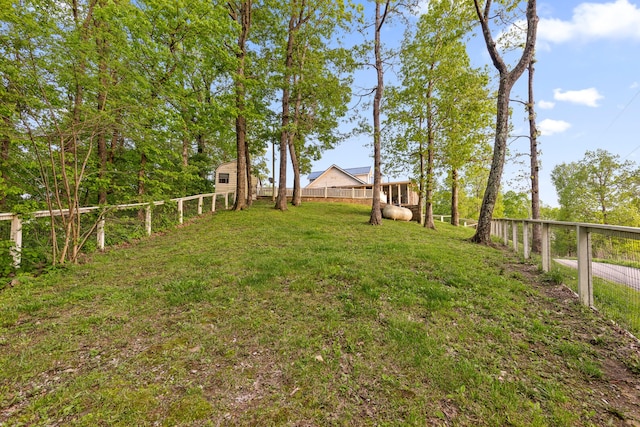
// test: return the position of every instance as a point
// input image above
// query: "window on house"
(223, 178)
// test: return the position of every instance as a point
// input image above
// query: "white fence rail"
(18, 219)
(465, 222)
(518, 231)
(326, 192)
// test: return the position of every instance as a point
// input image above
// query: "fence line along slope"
(307, 317)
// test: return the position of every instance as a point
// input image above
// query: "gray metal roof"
(353, 171)
(359, 171)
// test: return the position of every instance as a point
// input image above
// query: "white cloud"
(588, 97)
(634, 85)
(546, 105)
(548, 127)
(590, 21)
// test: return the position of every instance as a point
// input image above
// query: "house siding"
(228, 168)
(364, 177)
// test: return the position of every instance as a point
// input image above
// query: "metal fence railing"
(601, 262)
(103, 217)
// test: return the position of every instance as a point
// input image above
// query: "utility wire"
(620, 114)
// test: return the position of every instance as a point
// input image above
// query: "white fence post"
(226, 201)
(585, 279)
(505, 232)
(213, 202)
(16, 238)
(200, 200)
(100, 233)
(514, 233)
(546, 247)
(147, 219)
(526, 249)
(180, 212)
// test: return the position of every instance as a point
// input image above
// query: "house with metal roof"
(335, 176)
(401, 193)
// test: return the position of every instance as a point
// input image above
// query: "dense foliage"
(601, 188)
(107, 102)
(110, 101)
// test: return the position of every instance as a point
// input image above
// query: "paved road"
(615, 273)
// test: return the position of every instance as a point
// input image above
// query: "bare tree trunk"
(421, 189)
(536, 238)
(281, 200)
(241, 164)
(185, 148)
(116, 144)
(429, 214)
(483, 230)
(428, 219)
(102, 130)
(242, 15)
(141, 183)
(296, 199)
(507, 80)
(247, 157)
(455, 213)
(376, 214)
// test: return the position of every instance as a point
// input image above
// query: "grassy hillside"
(308, 317)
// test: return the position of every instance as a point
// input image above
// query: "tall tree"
(297, 17)
(184, 70)
(441, 106)
(380, 17)
(599, 188)
(466, 129)
(507, 79)
(536, 238)
(241, 12)
(315, 86)
(322, 93)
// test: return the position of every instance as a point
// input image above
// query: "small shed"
(226, 179)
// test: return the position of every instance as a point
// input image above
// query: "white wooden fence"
(326, 192)
(17, 219)
(518, 231)
(465, 222)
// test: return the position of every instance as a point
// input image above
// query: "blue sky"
(587, 88)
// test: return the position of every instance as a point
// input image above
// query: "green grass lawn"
(303, 318)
